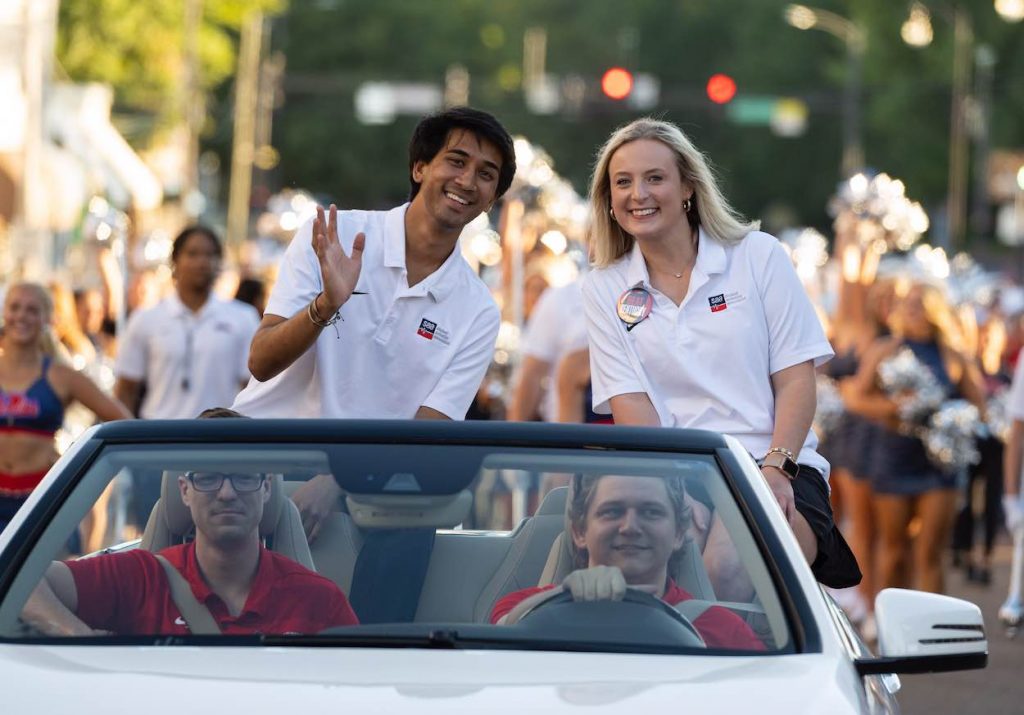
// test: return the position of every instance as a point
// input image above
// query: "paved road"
(997, 689)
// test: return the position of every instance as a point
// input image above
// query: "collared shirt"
(720, 628)
(396, 348)
(707, 363)
(189, 361)
(127, 593)
(556, 328)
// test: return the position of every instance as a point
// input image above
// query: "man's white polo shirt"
(188, 361)
(556, 328)
(707, 363)
(397, 347)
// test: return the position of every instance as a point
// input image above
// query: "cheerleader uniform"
(39, 411)
(898, 464)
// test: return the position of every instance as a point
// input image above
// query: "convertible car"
(493, 568)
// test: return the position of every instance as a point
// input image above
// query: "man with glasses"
(246, 588)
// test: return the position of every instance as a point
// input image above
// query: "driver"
(246, 588)
(625, 532)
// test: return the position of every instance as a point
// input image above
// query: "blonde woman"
(697, 319)
(906, 484)
(35, 390)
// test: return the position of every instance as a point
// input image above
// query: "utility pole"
(963, 37)
(243, 144)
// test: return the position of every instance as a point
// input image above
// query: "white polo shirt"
(707, 363)
(397, 347)
(188, 361)
(556, 327)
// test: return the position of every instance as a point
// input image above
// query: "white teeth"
(453, 197)
(643, 212)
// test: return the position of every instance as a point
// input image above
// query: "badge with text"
(634, 306)
(432, 331)
(717, 303)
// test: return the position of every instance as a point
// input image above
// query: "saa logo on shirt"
(717, 303)
(426, 329)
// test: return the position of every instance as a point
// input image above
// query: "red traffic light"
(617, 83)
(721, 88)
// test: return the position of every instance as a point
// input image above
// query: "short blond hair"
(708, 208)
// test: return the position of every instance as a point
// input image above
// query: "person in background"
(35, 391)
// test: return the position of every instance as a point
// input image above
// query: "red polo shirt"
(719, 627)
(128, 594)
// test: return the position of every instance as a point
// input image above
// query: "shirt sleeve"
(541, 337)
(339, 612)
(249, 321)
(795, 334)
(509, 601)
(1015, 400)
(454, 392)
(132, 350)
(611, 371)
(111, 589)
(298, 278)
(722, 628)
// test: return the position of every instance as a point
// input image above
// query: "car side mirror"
(922, 632)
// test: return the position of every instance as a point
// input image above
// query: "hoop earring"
(611, 212)
(687, 205)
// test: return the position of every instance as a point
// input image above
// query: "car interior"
(379, 542)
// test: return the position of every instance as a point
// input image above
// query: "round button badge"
(634, 306)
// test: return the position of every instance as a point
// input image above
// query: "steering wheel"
(638, 618)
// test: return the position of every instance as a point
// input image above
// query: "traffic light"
(617, 83)
(721, 88)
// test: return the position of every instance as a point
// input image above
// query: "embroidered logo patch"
(426, 329)
(718, 303)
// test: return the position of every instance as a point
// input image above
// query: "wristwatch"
(782, 459)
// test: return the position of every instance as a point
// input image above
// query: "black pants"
(990, 471)
(835, 564)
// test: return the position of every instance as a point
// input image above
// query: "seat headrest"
(179, 518)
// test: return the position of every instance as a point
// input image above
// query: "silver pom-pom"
(998, 417)
(830, 406)
(950, 438)
(912, 385)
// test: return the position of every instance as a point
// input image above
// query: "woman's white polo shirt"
(707, 363)
(396, 347)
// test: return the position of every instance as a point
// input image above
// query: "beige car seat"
(170, 522)
(469, 571)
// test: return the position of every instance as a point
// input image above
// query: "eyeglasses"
(213, 481)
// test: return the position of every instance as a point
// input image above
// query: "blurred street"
(995, 690)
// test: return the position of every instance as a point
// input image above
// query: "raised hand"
(338, 271)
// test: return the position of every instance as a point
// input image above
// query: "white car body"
(177, 678)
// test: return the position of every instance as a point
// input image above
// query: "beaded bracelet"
(315, 319)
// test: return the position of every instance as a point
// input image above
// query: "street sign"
(751, 110)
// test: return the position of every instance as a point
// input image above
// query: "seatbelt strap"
(695, 607)
(198, 617)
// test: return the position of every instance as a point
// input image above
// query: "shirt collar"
(394, 237)
(259, 591)
(179, 309)
(438, 284)
(711, 260)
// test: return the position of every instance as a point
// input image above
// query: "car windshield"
(442, 544)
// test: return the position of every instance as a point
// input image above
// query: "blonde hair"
(708, 206)
(946, 327)
(47, 341)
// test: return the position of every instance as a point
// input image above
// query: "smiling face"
(225, 516)
(647, 191)
(26, 313)
(461, 181)
(631, 524)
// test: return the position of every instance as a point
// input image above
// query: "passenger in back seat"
(625, 531)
